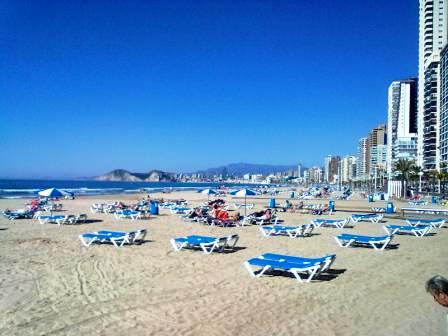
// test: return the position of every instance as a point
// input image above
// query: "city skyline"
(182, 87)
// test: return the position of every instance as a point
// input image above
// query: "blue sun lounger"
(18, 214)
(51, 219)
(377, 242)
(291, 231)
(295, 265)
(117, 238)
(180, 210)
(418, 231)
(374, 218)
(338, 223)
(132, 214)
(435, 223)
(326, 260)
(205, 243)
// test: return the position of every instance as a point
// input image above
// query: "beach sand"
(52, 285)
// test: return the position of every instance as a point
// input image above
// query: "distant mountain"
(239, 169)
(124, 175)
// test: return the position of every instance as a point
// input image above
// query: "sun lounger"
(52, 207)
(51, 219)
(291, 231)
(377, 242)
(117, 238)
(435, 223)
(327, 260)
(426, 211)
(205, 243)
(418, 231)
(100, 207)
(224, 222)
(295, 265)
(18, 214)
(242, 205)
(259, 220)
(120, 214)
(378, 210)
(418, 203)
(338, 223)
(180, 210)
(374, 218)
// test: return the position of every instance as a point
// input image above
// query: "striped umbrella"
(244, 192)
(208, 192)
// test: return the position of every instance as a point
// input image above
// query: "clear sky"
(90, 86)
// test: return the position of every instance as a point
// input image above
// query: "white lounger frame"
(377, 245)
(219, 244)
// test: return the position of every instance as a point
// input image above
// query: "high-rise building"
(327, 168)
(432, 39)
(401, 122)
(361, 167)
(376, 150)
(444, 109)
(313, 175)
(348, 168)
(333, 169)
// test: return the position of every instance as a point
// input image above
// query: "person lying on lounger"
(286, 206)
(264, 215)
(196, 212)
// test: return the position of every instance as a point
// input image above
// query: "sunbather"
(264, 215)
(194, 213)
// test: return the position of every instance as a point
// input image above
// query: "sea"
(30, 188)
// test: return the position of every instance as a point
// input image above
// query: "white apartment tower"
(401, 122)
(432, 39)
(362, 162)
(327, 162)
(348, 168)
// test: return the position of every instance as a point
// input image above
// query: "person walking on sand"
(437, 286)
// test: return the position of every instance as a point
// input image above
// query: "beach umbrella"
(244, 192)
(52, 193)
(208, 192)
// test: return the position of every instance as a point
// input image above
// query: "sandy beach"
(52, 285)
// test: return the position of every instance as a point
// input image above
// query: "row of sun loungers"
(304, 269)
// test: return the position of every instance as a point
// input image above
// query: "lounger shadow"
(390, 246)
(235, 249)
(324, 276)
(91, 221)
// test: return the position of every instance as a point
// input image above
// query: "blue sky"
(91, 86)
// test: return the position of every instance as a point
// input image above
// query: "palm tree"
(414, 174)
(404, 168)
(433, 175)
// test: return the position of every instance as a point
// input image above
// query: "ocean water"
(30, 188)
